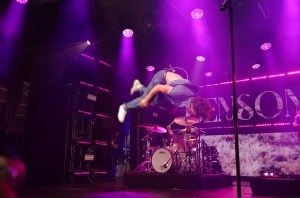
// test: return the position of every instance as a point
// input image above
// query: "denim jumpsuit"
(181, 94)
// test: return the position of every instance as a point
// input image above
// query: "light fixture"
(88, 42)
(127, 33)
(197, 13)
(200, 58)
(208, 74)
(266, 46)
(256, 66)
(150, 68)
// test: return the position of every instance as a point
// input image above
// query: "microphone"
(165, 165)
(225, 4)
(170, 69)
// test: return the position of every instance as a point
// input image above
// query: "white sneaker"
(136, 86)
(122, 113)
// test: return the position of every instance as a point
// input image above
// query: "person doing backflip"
(178, 90)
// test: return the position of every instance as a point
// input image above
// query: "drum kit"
(183, 152)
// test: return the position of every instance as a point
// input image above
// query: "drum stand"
(206, 158)
(146, 165)
(197, 165)
(198, 154)
(190, 163)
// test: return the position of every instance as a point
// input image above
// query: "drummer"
(179, 91)
(185, 137)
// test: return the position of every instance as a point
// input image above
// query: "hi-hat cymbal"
(186, 121)
(154, 128)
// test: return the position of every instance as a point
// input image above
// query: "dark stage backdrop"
(266, 110)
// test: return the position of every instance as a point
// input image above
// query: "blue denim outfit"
(182, 93)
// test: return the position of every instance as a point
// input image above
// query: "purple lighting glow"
(127, 33)
(266, 46)
(22, 1)
(197, 13)
(200, 58)
(150, 68)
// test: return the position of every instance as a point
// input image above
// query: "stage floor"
(114, 188)
(172, 180)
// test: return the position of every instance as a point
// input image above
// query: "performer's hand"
(144, 103)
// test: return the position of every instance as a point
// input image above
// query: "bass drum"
(162, 160)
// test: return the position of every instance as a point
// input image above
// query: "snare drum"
(164, 159)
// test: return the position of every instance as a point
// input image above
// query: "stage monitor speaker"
(263, 186)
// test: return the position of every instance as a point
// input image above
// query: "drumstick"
(169, 128)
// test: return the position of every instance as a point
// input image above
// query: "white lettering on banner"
(244, 108)
(289, 94)
(221, 109)
(279, 105)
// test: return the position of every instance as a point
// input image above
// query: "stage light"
(88, 42)
(150, 68)
(22, 1)
(266, 46)
(200, 58)
(82, 173)
(197, 13)
(266, 174)
(255, 66)
(208, 74)
(127, 33)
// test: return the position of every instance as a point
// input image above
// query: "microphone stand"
(227, 3)
(166, 163)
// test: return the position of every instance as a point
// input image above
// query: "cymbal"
(186, 121)
(154, 128)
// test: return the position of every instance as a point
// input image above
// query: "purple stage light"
(103, 89)
(102, 115)
(259, 78)
(294, 72)
(243, 80)
(212, 85)
(197, 13)
(82, 173)
(100, 172)
(200, 58)
(255, 66)
(127, 33)
(85, 112)
(88, 42)
(208, 74)
(266, 46)
(276, 75)
(22, 1)
(150, 68)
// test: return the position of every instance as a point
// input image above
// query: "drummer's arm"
(169, 128)
(166, 89)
